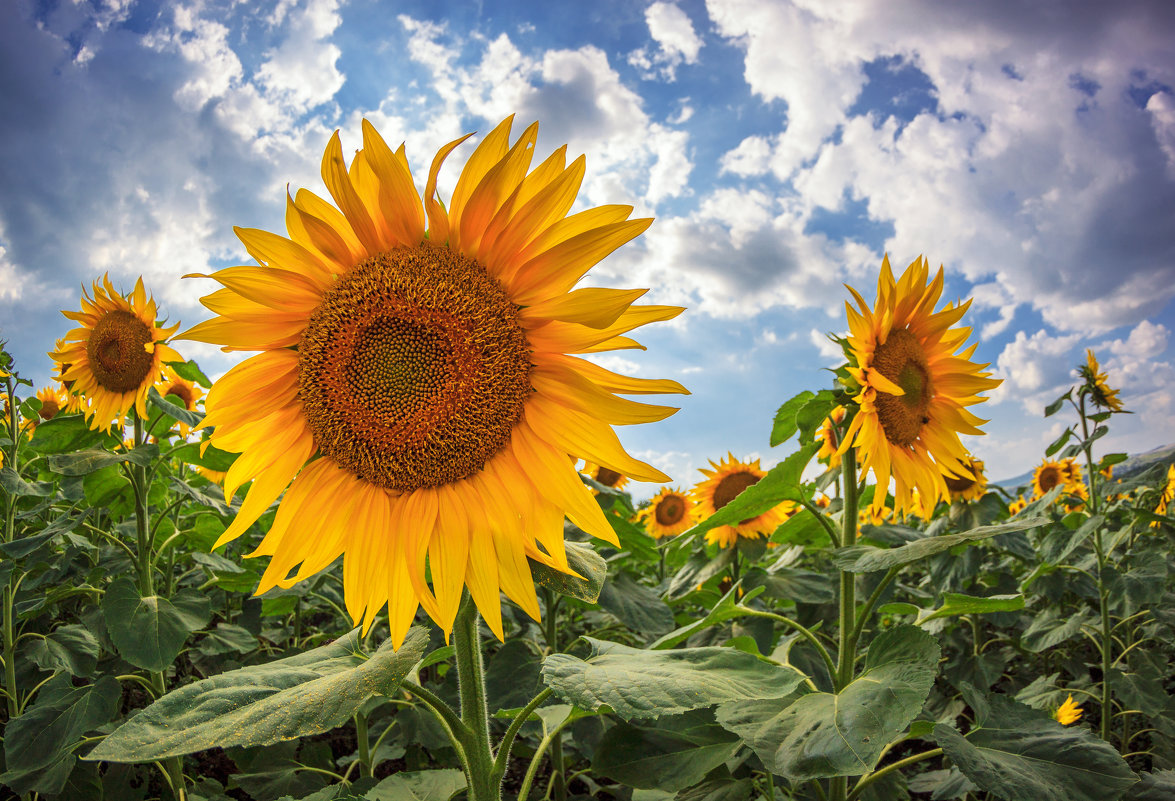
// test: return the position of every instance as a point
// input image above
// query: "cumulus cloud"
(1033, 367)
(676, 41)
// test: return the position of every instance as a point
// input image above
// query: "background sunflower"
(723, 484)
(670, 512)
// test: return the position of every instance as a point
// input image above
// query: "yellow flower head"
(1068, 712)
(968, 488)
(604, 475)
(1096, 384)
(418, 397)
(1017, 506)
(1167, 495)
(874, 516)
(669, 513)
(53, 402)
(115, 355)
(826, 436)
(723, 484)
(1048, 475)
(178, 388)
(914, 387)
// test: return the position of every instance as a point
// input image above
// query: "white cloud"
(751, 157)
(12, 280)
(831, 354)
(1161, 106)
(1033, 367)
(676, 41)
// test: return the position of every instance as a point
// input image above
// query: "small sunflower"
(214, 476)
(1068, 712)
(1048, 475)
(913, 387)
(116, 354)
(418, 391)
(669, 513)
(604, 475)
(874, 516)
(181, 389)
(53, 402)
(827, 438)
(1096, 384)
(968, 488)
(1017, 506)
(1168, 494)
(723, 484)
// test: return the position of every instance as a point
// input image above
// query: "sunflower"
(1068, 712)
(723, 484)
(415, 389)
(116, 354)
(1048, 475)
(874, 516)
(669, 513)
(913, 386)
(53, 402)
(1017, 506)
(1168, 493)
(827, 438)
(181, 389)
(604, 475)
(968, 488)
(213, 476)
(1096, 385)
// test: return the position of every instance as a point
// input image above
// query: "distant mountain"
(1133, 465)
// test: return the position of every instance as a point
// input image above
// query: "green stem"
(846, 656)
(364, 744)
(502, 760)
(10, 534)
(537, 759)
(901, 763)
(479, 758)
(805, 632)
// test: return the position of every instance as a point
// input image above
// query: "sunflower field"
(393, 554)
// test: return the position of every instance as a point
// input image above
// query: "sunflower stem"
(14, 579)
(846, 652)
(484, 785)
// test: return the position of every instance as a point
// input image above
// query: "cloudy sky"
(782, 146)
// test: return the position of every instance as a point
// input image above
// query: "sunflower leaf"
(149, 631)
(1059, 442)
(174, 410)
(90, 460)
(590, 566)
(293, 697)
(191, 371)
(782, 483)
(867, 559)
(784, 427)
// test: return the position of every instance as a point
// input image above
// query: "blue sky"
(782, 146)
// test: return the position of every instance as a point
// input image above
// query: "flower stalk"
(484, 785)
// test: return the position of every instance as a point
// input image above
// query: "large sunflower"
(669, 513)
(722, 485)
(914, 388)
(1097, 384)
(415, 391)
(116, 355)
(967, 488)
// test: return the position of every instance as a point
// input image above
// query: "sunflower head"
(115, 354)
(967, 487)
(1068, 712)
(669, 513)
(53, 402)
(1166, 494)
(1048, 475)
(912, 382)
(725, 482)
(1096, 384)
(1017, 506)
(827, 437)
(176, 388)
(418, 396)
(603, 475)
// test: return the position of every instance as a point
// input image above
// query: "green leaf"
(784, 427)
(65, 434)
(867, 559)
(843, 734)
(590, 566)
(1056, 405)
(1022, 754)
(176, 411)
(782, 483)
(39, 744)
(513, 675)
(633, 538)
(636, 606)
(1061, 541)
(697, 571)
(1157, 786)
(1059, 442)
(71, 648)
(207, 456)
(726, 609)
(294, 697)
(16, 487)
(421, 785)
(646, 684)
(954, 604)
(150, 631)
(1050, 628)
(191, 371)
(792, 584)
(813, 414)
(80, 463)
(726, 788)
(103, 486)
(678, 753)
(228, 638)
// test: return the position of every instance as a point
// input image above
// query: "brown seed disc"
(609, 478)
(184, 393)
(902, 360)
(115, 350)
(670, 510)
(49, 409)
(958, 485)
(730, 486)
(1049, 477)
(414, 370)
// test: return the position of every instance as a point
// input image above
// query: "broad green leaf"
(421, 785)
(65, 433)
(1157, 786)
(173, 410)
(1049, 628)
(294, 697)
(207, 456)
(813, 414)
(590, 566)
(1061, 541)
(1055, 406)
(636, 606)
(954, 604)
(646, 684)
(1059, 442)
(726, 788)
(71, 648)
(191, 371)
(802, 528)
(866, 558)
(633, 538)
(80, 463)
(1022, 754)
(792, 584)
(103, 486)
(39, 744)
(16, 487)
(513, 675)
(149, 631)
(784, 426)
(697, 571)
(671, 755)
(1139, 587)
(210, 496)
(782, 483)
(726, 609)
(825, 734)
(227, 638)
